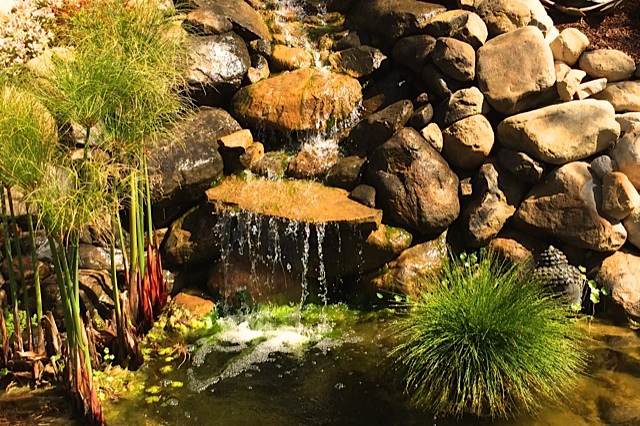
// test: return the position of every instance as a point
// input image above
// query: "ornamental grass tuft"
(487, 339)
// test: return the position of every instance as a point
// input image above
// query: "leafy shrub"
(488, 340)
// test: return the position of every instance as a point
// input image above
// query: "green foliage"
(487, 340)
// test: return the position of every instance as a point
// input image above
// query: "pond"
(351, 380)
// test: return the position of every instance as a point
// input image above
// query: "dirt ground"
(620, 30)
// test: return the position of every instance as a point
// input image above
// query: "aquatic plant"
(487, 339)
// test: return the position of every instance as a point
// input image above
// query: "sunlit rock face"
(306, 99)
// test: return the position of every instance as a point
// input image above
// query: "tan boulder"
(632, 225)
(433, 135)
(569, 45)
(626, 154)
(307, 99)
(568, 85)
(459, 24)
(628, 120)
(503, 16)
(619, 197)
(619, 273)
(515, 70)
(565, 205)
(468, 142)
(624, 96)
(590, 88)
(285, 58)
(561, 133)
(455, 58)
(614, 65)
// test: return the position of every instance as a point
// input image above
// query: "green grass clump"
(487, 339)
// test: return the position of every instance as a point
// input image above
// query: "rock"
(504, 16)
(619, 197)
(619, 273)
(241, 139)
(285, 58)
(569, 84)
(468, 142)
(217, 65)
(628, 120)
(364, 194)
(353, 39)
(405, 275)
(98, 258)
(590, 88)
(565, 205)
(272, 165)
(459, 24)
(239, 151)
(185, 163)
(42, 65)
(345, 173)
(602, 165)
(461, 104)
(195, 306)
(455, 58)
(260, 47)
(414, 51)
(626, 154)
(252, 155)
(393, 19)
(516, 247)
(357, 61)
(375, 129)
(561, 133)
(313, 161)
(415, 186)
(521, 165)
(514, 70)
(569, 45)
(611, 64)
(247, 21)
(624, 96)
(45, 269)
(433, 135)
(496, 196)
(259, 69)
(439, 84)
(632, 225)
(421, 117)
(390, 88)
(306, 99)
(204, 22)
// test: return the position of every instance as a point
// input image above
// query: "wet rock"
(468, 142)
(345, 173)
(433, 135)
(239, 151)
(619, 197)
(195, 306)
(405, 275)
(438, 83)
(561, 133)
(421, 117)
(377, 128)
(247, 21)
(357, 61)
(618, 272)
(259, 69)
(393, 19)
(624, 96)
(217, 65)
(601, 165)
(285, 58)
(353, 39)
(206, 22)
(414, 51)
(459, 24)
(521, 165)
(389, 89)
(190, 240)
(414, 184)
(364, 194)
(272, 165)
(514, 70)
(99, 258)
(565, 205)
(626, 154)
(187, 162)
(496, 196)
(516, 247)
(455, 58)
(611, 64)
(313, 162)
(504, 16)
(306, 99)
(569, 45)
(461, 104)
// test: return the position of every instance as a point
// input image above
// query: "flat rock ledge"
(303, 201)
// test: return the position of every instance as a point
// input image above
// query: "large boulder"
(459, 24)
(357, 61)
(561, 133)
(186, 162)
(415, 186)
(566, 205)
(247, 21)
(468, 142)
(455, 58)
(626, 154)
(393, 19)
(306, 99)
(217, 65)
(503, 16)
(515, 70)
(624, 96)
(619, 273)
(413, 51)
(614, 65)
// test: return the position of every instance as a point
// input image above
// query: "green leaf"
(582, 269)
(379, 295)
(595, 296)
(605, 291)
(576, 307)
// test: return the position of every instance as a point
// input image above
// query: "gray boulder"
(357, 61)
(455, 58)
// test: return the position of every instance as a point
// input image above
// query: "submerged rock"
(306, 99)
